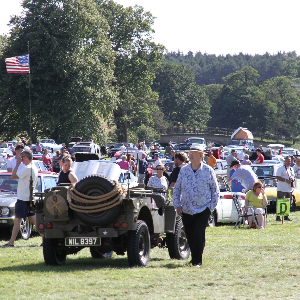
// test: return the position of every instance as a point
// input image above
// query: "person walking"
(24, 175)
(195, 196)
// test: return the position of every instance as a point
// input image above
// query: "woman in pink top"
(124, 164)
(46, 159)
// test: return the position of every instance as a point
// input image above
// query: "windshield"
(80, 149)
(263, 170)
(7, 184)
(270, 182)
(197, 141)
(47, 141)
(290, 152)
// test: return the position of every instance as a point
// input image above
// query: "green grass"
(237, 264)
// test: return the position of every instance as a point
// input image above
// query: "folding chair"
(242, 214)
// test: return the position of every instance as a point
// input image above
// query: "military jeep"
(107, 211)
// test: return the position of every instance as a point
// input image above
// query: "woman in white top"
(158, 180)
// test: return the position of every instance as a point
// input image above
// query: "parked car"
(39, 165)
(225, 211)
(6, 152)
(8, 198)
(116, 147)
(265, 169)
(132, 151)
(290, 152)
(50, 144)
(221, 167)
(271, 192)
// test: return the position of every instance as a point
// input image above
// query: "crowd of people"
(193, 180)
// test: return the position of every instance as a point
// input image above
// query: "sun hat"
(196, 148)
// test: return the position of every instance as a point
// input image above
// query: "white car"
(265, 169)
(50, 144)
(221, 167)
(290, 152)
(8, 198)
(225, 211)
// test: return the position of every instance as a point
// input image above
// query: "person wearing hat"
(157, 161)
(195, 196)
(243, 174)
(23, 192)
(230, 158)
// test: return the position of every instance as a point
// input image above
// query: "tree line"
(96, 72)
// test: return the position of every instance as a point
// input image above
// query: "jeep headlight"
(4, 211)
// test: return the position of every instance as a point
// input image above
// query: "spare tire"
(96, 186)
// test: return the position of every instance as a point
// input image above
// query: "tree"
(71, 71)
(283, 120)
(182, 101)
(137, 59)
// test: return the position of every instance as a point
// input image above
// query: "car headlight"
(4, 211)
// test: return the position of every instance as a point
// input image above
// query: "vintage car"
(116, 147)
(221, 167)
(271, 192)
(266, 169)
(225, 211)
(290, 152)
(108, 211)
(8, 198)
(39, 165)
(50, 144)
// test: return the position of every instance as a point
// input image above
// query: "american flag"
(18, 64)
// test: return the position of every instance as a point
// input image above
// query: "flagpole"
(30, 121)
(30, 125)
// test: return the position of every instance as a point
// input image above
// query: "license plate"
(82, 241)
(3, 221)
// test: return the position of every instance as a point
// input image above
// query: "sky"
(213, 26)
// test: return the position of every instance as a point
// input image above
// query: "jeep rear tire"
(138, 245)
(177, 244)
(96, 186)
(53, 253)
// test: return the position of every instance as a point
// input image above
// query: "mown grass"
(237, 264)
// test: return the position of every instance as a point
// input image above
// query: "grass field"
(237, 264)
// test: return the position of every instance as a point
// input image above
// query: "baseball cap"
(155, 154)
(233, 163)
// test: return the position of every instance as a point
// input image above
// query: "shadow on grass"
(87, 264)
